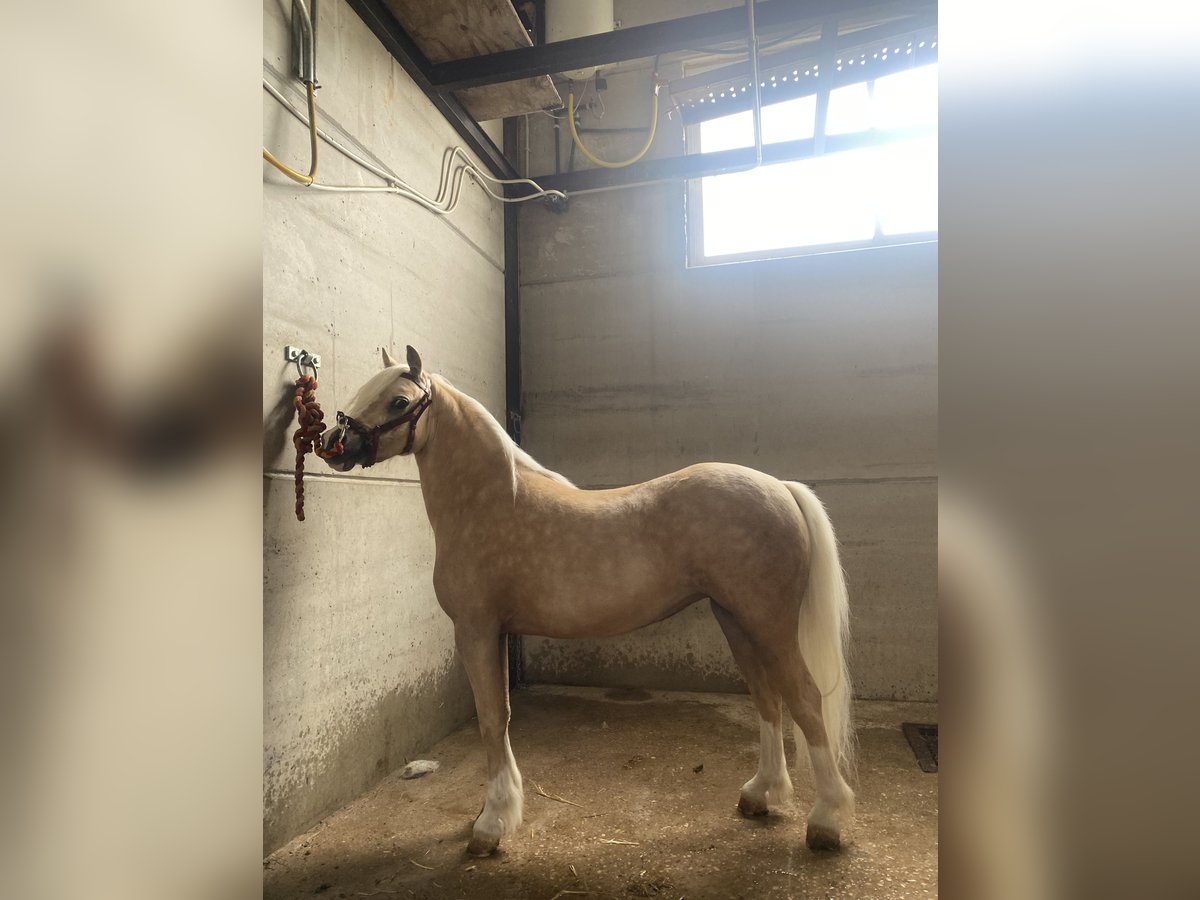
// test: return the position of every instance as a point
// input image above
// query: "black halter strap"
(370, 436)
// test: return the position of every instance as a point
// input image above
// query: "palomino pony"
(520, 550)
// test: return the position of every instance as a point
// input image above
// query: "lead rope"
(311, 424)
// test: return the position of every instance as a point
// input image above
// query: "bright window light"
(906, 99)
(797, 204)
(906, 185)
(792, 120)
(849, 109)
(875, 194)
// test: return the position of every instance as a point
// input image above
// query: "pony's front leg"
(484, 653)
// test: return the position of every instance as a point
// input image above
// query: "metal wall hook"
(303, 359)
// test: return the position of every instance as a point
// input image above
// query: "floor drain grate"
(924, 742)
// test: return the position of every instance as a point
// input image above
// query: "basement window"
(868, 178)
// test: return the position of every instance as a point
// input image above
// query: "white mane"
(521, 458)
(517, 458)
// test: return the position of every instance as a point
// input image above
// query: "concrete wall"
(820, 369)
(359, 664)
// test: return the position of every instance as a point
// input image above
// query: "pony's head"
(385, 418)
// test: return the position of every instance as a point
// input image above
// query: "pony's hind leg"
(772, 782)
(834, 806)
(484, 654)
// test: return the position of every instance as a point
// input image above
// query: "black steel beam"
(539, 25)
(512, 324)
(512, 358)
(637, 42)
(397, 42)
(701, 165)
(512, 304)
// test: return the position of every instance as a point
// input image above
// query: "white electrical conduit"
(450, 184)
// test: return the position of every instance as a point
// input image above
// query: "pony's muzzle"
(352, 448)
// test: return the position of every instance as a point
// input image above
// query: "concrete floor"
(642, 822)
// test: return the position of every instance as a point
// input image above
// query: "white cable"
(582, 105)
(450, 183)
(440, 205)
(449, 178)
(582, 101)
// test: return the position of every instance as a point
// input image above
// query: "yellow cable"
(312, 135)
(604, 163)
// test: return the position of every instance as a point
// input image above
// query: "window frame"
(694, 210)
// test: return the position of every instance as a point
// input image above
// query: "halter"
(370, 436)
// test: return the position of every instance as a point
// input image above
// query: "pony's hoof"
(821, 838)
(750, 808)
(482, 846)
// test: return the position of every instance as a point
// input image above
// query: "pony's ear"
(414, 362)
(388, 362)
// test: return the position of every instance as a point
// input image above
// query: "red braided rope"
(307, 439)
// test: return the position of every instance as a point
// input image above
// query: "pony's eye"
(400, 403)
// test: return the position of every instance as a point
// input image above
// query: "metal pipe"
(308, 66)
(753, 40)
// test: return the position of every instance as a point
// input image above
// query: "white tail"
(825, 628)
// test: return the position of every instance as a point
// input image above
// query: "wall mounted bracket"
(302, 358)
